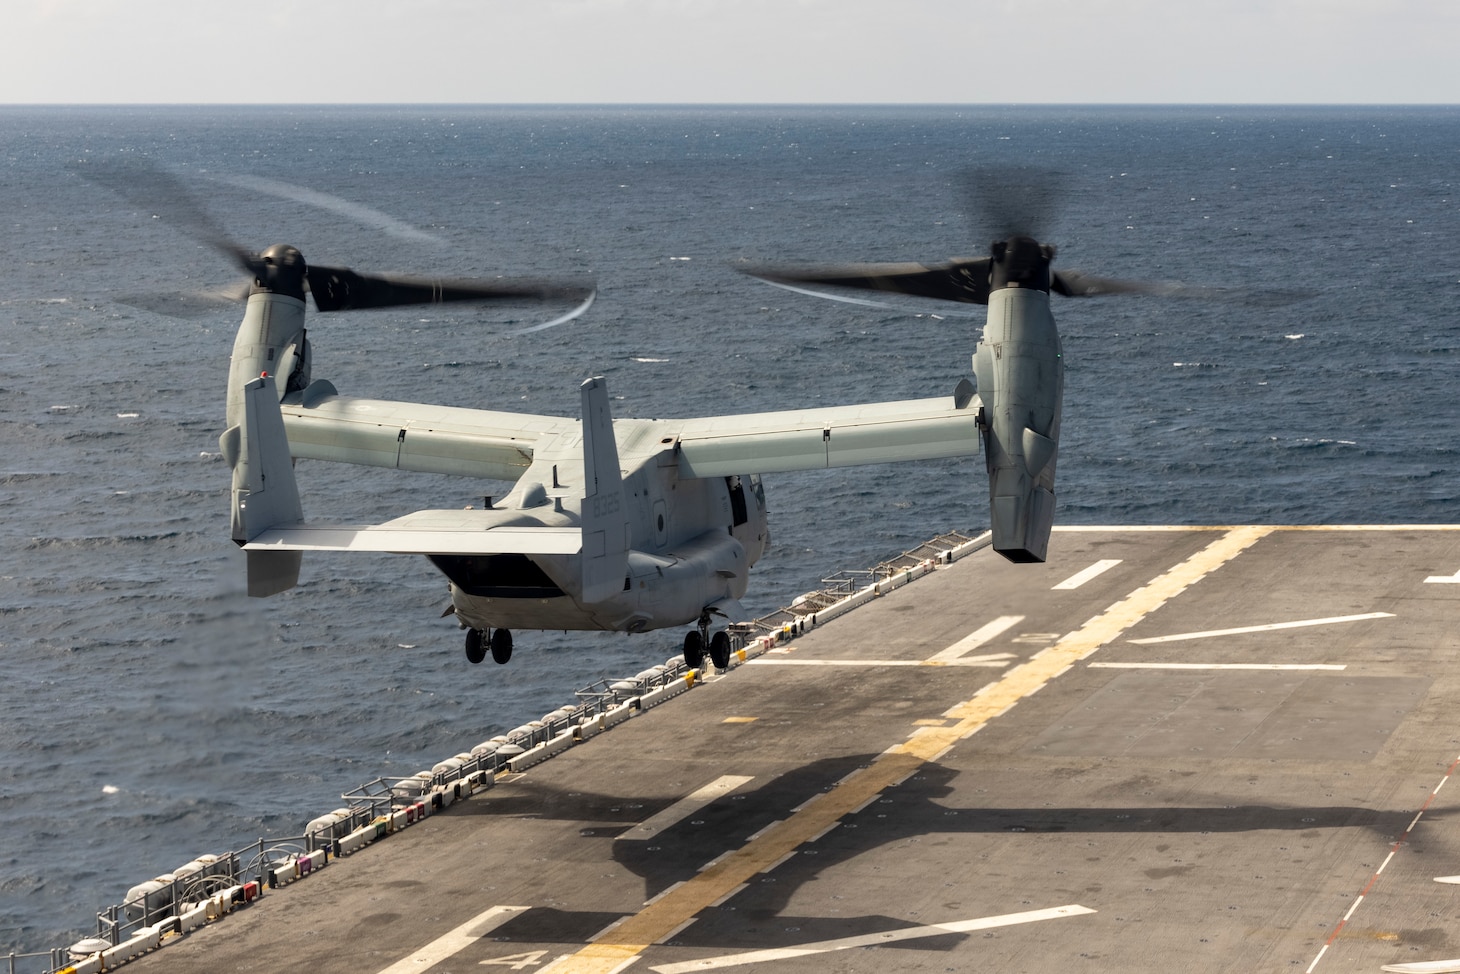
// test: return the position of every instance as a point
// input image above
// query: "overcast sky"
(731, 51)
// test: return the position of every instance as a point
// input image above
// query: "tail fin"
(265, 494)
(605, 518)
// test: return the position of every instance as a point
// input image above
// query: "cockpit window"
(758, 489)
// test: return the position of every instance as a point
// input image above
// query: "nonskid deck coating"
(1226, 751)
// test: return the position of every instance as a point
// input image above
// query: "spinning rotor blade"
(162, 195)
(1012, 201)
(283, 269)
(560, 319)
(965, 280)
(364, 215)
(341, 289)
(1077, 284)
(188, 304)
(1074, 284)
(1017, 204)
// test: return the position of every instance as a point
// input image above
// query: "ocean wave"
(18, 477)
(95, 436)
(454, 364)
(95, 542)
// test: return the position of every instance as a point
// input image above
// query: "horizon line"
(729, 104)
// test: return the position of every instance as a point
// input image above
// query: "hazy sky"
(731, 51)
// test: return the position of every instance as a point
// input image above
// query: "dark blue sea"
(150, 712)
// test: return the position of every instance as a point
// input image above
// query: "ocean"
(150, 712)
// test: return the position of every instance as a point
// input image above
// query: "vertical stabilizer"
(265, 494)
(605, 516)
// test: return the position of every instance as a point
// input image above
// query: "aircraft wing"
(417, 436)
(499, 445)
(473, 532)
(831, 436)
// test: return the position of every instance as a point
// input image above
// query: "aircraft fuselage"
(692, 543)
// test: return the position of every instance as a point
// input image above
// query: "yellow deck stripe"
(658, 920)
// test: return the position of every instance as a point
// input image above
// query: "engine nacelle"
(1020, 372)
(270, 340)
(270, 359)
(271, 337)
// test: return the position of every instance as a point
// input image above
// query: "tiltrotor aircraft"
(624, 524)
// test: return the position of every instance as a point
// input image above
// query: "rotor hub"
(1021, 262)
(280, 269)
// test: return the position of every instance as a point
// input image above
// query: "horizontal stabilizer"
(425, 533)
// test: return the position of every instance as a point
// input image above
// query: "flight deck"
(1195, 748)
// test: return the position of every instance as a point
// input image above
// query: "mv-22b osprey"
(624, 524)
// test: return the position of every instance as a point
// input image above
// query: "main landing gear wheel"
(501, 645)
(476, 647)
(694, 649)
(720, 650)
(697, 640)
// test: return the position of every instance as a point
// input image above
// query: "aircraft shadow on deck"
(915, 810)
